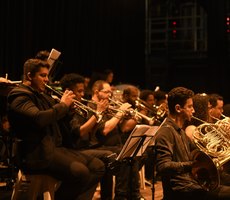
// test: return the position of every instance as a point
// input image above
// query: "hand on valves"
(102, 105)
(123, 110)
(68, 98)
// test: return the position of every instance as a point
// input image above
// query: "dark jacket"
(33, 117)
(174, 161)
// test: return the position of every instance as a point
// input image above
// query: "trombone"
(81, 108)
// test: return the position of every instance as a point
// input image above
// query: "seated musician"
(146, 106)
(108, 136)
(34, 118)
(82, 123)
(201, 117)
(174, 155)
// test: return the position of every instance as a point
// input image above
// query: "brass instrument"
(81, 108)
(158, 111)
(132, 112)
(213, 142)
(143, 105)
(205, 171)
(88, 101)
(161, 110)
(7, 85)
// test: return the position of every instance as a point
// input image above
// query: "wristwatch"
(98, 115)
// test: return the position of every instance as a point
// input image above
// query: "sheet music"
(135, 139)
(54, 55)
(150, 139)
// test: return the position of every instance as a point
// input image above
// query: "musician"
(130, 95)
(216, 103)
(43, 55)
(34, 118)
(82, 123)
(108, 136)
(83, 119)
(147, 99)
(109, 77)
(201, 116)
(174, 152)
(160, 98)
(201, 107)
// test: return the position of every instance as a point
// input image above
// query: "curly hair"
(70, 80)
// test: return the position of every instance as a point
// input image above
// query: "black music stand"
(136, 144)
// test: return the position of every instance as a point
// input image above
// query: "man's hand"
(68, 97)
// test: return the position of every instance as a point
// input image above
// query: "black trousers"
(79, 173)
(127, 178)
(107, 180)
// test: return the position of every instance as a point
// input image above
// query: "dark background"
(97, 34)
(91, 34)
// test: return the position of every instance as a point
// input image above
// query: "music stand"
(136, 144)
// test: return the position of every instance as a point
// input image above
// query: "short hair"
(33, 65)
(178, 95)
(98, 85)
(127, 91)
(108, 71)
(70, 80)
(144, 94)
(213, 98)
(43, 55)
(200, 105)
(160, 95)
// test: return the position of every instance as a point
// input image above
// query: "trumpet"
(81, 108)
(88, 101)
(150, 120)
(158, 111)
(143, 105)
(133, 112)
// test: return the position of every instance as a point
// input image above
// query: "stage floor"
(147, 192)
(5, 194)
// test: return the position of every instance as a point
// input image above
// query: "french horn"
(213, 156)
